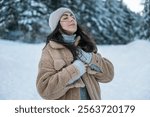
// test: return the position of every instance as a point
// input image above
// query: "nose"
(71, 18)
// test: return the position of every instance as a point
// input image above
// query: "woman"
(70, 67)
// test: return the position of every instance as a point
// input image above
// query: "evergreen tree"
(145, 27)
(9, 17)
(116, 23)
(32, 19)
(22, 20)
(108, 21)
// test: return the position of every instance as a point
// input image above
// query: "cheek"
(68, 28)
(64, 26)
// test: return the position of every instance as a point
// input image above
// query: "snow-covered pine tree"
(109, 21)
(116, 23)
(22, 20)
(9, 17)
(32, 20)
(145, 27)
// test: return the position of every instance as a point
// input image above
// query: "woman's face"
(68, 23)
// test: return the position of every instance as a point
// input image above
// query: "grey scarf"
(70, 39)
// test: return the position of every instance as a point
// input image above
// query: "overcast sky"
(134, 5)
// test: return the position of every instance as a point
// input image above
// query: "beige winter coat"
(56, 69)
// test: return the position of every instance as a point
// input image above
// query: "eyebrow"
(67, 14)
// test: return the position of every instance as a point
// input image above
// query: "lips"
(72, 24)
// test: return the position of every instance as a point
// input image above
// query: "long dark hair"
(86, 43)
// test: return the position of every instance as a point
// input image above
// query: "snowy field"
(19, 63)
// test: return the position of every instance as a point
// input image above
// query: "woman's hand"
(85, 57)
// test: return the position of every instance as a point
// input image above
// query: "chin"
(70, 32)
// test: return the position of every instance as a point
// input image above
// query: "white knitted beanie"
(56, 15)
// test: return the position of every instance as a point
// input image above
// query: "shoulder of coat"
(55, 45)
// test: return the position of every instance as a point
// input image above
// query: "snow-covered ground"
(19, 65)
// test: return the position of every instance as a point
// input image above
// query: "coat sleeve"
(52, 83)
(106, 68)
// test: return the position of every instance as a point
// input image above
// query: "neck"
(70, 39)
(66, 32)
